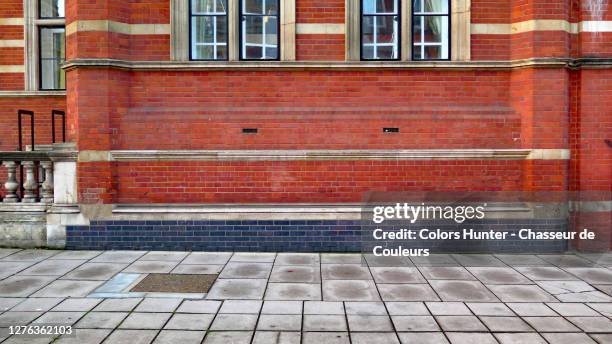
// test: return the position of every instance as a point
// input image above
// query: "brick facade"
(542, 105)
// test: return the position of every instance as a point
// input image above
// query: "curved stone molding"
(279, 155)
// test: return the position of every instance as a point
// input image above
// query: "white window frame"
(214, 44)
(397, 29)
(32, 25)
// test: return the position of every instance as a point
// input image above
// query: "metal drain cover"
(175, 283)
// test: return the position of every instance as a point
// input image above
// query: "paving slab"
(296, 274)
(244, 289)
(462, 291)
(407, 292)
(603, 308)
(246, 270)
(490, 309)
(381, 261)
(84, 336)
(407, 308)
(18, 318)
(328, 323)
(551, 324)
(117, 305)
(253, 257)
(37, 304)
(131, 337)
(150, 266)
(282, 307)
(415, 323)
(225, 337)
(602, 338)
(297, 259)
(4, 252)
(532, 309)
(95, 271)
(79, 255)
(568, 338)
(505, 324)
(267, 337)
(422, 338)
(477, 260)
(545, 273)
(471, 338)
(342, 258)
(521, 293)
(516, 260)
(234, 322)
(397, 275)
(446, 273)
(33, 255)
(59, 318)
(460, 323)
(567, 260)
(345, 272)
(273, 322)
(96, 320)
(241, 307)
(145, 321)
(592, 324)
(77, 305)
(166, 256)
(199, 306)
(573, 309)
(158, 305)
(194, 322)
(22, 286)
(7, 303)
(369, 323)
(520, 338)
(118, 257)
(448, 308)
(199, 269)
(498, 275)
(293, 291)
(67, 288)
(590, 296)
(177, 336)
(323, 307)
(325, 337)
(374, 338)
(208, 258)
(365, 308)
(10, 268)
(349, 290)
(435, 260)
(592, 275)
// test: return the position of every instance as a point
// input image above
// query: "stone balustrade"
(37, 177)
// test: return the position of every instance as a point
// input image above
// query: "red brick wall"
(304, 181)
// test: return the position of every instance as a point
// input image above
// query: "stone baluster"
(11, 184)
(47, 185)
(30, 184)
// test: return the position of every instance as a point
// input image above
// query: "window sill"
(53, 93)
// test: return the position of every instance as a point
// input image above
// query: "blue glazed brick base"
(283, 236)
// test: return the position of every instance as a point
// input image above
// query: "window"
(52, 54)
(259, 29)
(379, 29)
(51, 9)
(209, 28)
(48, 47)
(430, 34)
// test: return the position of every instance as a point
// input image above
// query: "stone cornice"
(344, 65)
(7, 94)
(317, 155)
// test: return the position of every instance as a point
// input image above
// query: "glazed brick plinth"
(287, 236)
(305, 181)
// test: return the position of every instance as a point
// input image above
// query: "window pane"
(52, 55)
(203, 29)
(271, 7)
(222, 52)
(253, 52)
(253, 29)
(436, 6)
(367, 30)
(271, 52)
(434, 29)
(204, 52)
(385, 52)
(386, 29)
(379, 6)
(221, 29)
(433, 52)
(416, 6)
(252, 6)
(209, 6)
(271, 26)
(416, 28)
(368, 52)
(51, 9)
(416, 52)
